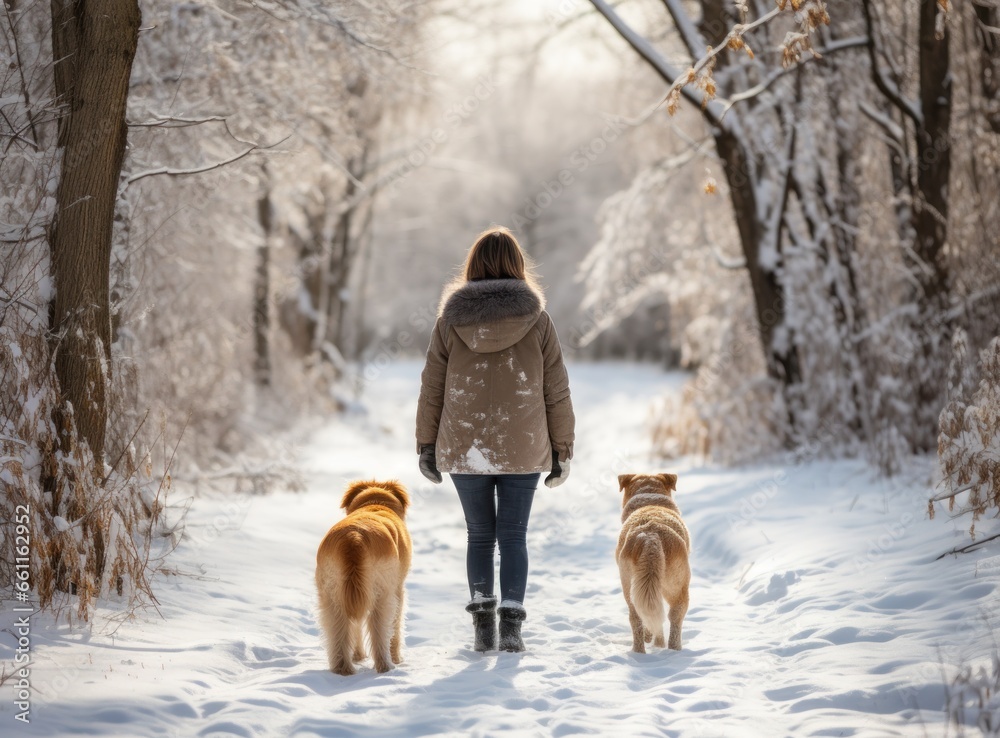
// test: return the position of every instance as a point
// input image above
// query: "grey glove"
(428, 464)
(560, 470)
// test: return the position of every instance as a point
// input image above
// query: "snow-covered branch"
(675, 78)
(320, 12)
(763, 86)
(207, 168)
(728, 262)
(883, 121)
(887, 87)
(689, 32)
(175, 121)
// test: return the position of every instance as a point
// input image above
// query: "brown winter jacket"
(494, 394)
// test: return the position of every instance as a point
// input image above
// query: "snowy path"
(817, 607)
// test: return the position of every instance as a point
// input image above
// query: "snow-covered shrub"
(78, 533)
(72, 527)
(701, 341)
(969, 441)
(677, 428)
(730, 410)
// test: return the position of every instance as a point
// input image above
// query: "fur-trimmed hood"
(494, 393)
(491, 314)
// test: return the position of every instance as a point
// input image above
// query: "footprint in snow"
(776, 588)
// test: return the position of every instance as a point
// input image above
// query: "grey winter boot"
(512, 614)
(484, 619)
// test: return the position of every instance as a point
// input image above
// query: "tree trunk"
(261, 296)
(987, 23)
(352, 227)
(768, 295)
(833, 226)
(933, 158)
(930, 266)
(93, 44)
(780, 349)
(342, 252)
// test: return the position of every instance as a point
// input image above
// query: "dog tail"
(355, 571)
(647, 587)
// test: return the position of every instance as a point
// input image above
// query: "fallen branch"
(969, 547)
(949, 495)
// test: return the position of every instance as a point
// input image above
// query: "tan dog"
(361, 566)
(652, 558)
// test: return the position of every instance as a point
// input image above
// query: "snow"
(477, 460)
(817, 605)
(46, 289)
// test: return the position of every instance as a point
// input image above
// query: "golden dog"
(361, 566)
(652, 558)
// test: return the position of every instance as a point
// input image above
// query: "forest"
(766, 230)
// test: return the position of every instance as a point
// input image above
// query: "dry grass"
(974, 697)
(91, 536)
(729, 411)
(969, 441)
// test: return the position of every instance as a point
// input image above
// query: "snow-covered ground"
(817, 606)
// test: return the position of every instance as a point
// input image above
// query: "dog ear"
(624, 480)
(669, 481)
(354, 490)
(398, 491)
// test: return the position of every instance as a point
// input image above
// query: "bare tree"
(756, 146)
(920, 149)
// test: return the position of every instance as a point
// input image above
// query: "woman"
(495, 411)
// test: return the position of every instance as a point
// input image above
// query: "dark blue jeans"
(496, 508)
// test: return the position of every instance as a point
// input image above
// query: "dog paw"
(397, 658)
(648, 635)
(343, 669)
(659, 642)
(383, 667)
